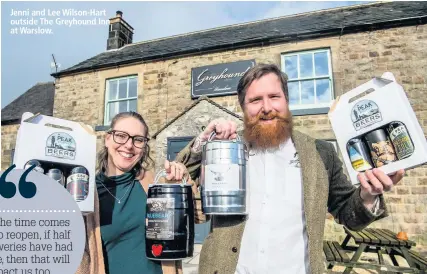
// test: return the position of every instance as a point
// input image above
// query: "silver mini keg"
(223, 177)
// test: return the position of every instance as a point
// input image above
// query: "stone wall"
(8, 137)
(164, 92)
(164, 86)
(400, 51)
(190, 124)
(78, 98)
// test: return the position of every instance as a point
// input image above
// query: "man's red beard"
(263, 136)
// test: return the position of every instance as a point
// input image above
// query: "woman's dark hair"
(146, 161)
(257, 72)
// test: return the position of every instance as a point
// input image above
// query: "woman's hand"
(175, 171)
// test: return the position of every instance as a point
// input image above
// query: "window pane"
(307, 92)
(123, 106)
(112, 93)
(321, 63)
(306, 65)
(113, 107)
(123, 85)
(293, 89)
(132, 87)
(132, 105)
(291, 66)
(323, 91)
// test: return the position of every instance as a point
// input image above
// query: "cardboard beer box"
(376, 127)
(63, 150)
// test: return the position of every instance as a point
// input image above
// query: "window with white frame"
(121, 96)
(309, 78)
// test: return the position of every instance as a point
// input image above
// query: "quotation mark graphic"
(26, 189)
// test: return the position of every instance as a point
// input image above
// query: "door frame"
(171, 140)
(201, 231)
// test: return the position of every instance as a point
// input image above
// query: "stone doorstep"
(186, 261)
(190, 269)
(195, 260)
(197, 248)
(196, 254)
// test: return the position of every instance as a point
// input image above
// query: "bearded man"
(293, 179)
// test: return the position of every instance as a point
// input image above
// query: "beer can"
(38, 165)
(57, 175)
(359, 155)
(381, 148)
(78, 183)
(401, 140)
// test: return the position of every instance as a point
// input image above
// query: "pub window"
(310, 82)
(120, 96)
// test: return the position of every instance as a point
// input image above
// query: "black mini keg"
(169, 230)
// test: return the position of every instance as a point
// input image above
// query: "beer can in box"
(359, 155)
(38, 165)
(381, 148)
(57, 175)
(401, 140)
(78, 183)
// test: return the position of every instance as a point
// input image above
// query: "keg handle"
(214, 133)
(162, 173)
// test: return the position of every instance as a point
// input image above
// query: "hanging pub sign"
(217, 80)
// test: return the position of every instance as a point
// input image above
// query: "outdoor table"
(381, 241)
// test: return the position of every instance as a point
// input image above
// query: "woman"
(116, 230)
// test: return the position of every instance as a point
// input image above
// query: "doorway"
(174, 146)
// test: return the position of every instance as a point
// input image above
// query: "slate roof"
(201, 98)
(322, 23)
(38, 99)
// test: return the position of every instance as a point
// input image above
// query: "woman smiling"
(116, 230)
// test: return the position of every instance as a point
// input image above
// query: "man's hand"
(224, 130)
(379, 183)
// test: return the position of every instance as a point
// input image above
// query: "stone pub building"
(180, 83)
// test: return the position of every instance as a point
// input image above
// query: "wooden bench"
(382, 242)
(334, 253)
(419, 261)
